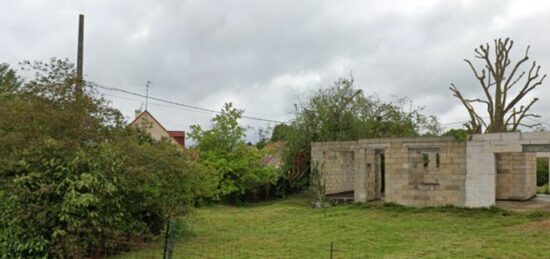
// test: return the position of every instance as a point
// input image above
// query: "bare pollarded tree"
(504, 86)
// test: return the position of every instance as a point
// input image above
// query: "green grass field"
(290, 228)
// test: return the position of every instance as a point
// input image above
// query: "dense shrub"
(73, 176)
(542, 171)
(457, 134)
(239, 172)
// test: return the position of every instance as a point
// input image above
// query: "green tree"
(281, 132)
(74, 176)
(458, 134)
(263, 137)
(9, 81)
(238, 166)
(343, 112)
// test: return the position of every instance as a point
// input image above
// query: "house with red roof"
(146, 121)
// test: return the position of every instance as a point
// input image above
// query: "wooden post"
(80, 55)
(166, 254)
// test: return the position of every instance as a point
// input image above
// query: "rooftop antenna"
(147, 85)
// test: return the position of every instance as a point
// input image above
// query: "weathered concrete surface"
(516, 176)
(434, 171)
(481, 185)
(417, 171)
(538, 203)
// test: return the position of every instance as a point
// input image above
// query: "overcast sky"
(263, 55)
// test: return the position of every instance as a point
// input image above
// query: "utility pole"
(80, 55)
(147, 85)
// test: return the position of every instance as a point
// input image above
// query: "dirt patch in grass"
(534, 226)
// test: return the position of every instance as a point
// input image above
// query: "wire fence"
(228, 245)
(168, 249)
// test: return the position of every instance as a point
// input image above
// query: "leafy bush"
(73, 176)
(542, 171)
(238, 167)
(458, 134)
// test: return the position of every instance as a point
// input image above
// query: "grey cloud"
(263, 54)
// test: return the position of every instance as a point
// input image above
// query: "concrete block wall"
(437, 184)
(481, 180)
(467, 175)
(338, 168)
(516, 176)
(337, 164)
(421, 186)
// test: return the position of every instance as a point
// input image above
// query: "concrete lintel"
(542, 135)
(543, 154)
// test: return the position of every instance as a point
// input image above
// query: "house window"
(437, 160)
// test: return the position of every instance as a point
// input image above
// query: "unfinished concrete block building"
(434, 171)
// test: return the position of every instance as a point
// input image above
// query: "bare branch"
(475, 120)
(523, 113)
(530, 125)
(497, 76)
(527, 87)
(508, 87)
(481, 79)
(477, 100)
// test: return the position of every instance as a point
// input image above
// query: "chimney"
(137, 113)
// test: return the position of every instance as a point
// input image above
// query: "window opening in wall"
(425, 159)
(542, 175)
(437, 160)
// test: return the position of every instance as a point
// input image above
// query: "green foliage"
(281, 132)
(73, 176)
(226, 133)
(542, 171)
(543, 189)
(223, 150)
(458, 134)
(263, 138)
(343, 112)
(9, 81)
(55, 200)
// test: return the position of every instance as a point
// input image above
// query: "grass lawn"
(290, 228)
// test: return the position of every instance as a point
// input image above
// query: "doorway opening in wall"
(381, 172)
(542, 175)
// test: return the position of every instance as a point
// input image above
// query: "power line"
(164, 105)
(196, 108)
(154, 103)
(93, 84)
